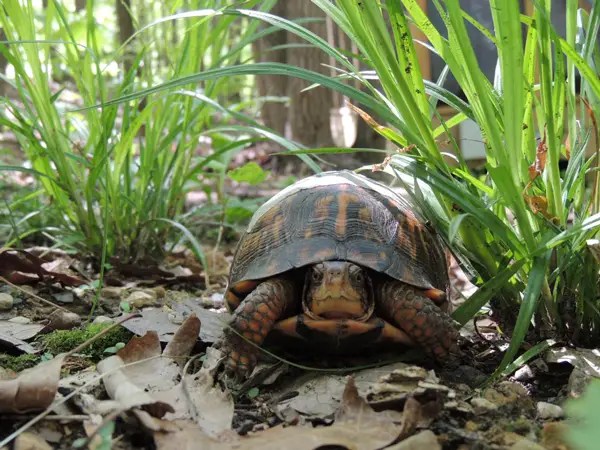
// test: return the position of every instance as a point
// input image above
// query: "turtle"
(340, 261)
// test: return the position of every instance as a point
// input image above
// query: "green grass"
(112, 176)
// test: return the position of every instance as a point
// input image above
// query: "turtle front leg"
(417, 315)
(253, 320)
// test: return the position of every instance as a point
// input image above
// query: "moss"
(18, 363)
(61, 341)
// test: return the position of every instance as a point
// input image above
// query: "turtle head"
(338, 289)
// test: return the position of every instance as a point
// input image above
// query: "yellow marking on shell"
(382, 255)
(308, 233)
(325, 254)
(268, 217)
(344, 199)
(277, 228)
(321, 211)
(364, 214)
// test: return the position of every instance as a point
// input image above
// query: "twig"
(37, 297)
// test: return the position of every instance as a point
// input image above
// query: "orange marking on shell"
(417, 333)
(249, 308)
(428, 332)
(244, 360)
(321, 209)
(255, 326)
(247, 335)
(262, 308)
(243, 325)
(344, 199)
(407, 325)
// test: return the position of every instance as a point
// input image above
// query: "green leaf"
(252, 393)
(584, 432)
(250, 172)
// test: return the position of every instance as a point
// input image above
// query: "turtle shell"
(337, 215)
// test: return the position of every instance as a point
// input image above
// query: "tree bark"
(126, 30)
(309, 111)
(3, 63)
(273, 114)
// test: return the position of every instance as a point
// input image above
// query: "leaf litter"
(162, 394)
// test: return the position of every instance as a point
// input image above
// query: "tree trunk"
(273, 114)
(126, 30)
(3, 63)
(309, 111)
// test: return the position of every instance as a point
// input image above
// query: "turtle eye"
(317, 275)
(357, 275)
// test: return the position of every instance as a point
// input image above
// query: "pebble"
(160, 292)
(20, 319)
(65, 297)
(524, 373)
(508, 388)
(482, 406)
(102, 319)
(64, 320)
(139, 299)
(549, 411)
(424, 440)
(6, 301)
(578, 381)
(111, 292)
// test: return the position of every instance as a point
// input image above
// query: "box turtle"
(337, 259)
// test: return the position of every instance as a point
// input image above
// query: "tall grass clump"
(112, 177)
(522, 229)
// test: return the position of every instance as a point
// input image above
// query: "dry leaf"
(540, 159)
(126, 392)
(34, 389)
(357, 426)
(18, 266)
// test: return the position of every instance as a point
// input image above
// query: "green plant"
(113, 177)
(583, 432)
(513, 227)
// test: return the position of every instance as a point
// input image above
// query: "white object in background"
(471, 140)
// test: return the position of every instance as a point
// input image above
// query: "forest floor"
(148, 382)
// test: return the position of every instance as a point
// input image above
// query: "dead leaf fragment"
(120, 388)
(34, 389)
(537, 167)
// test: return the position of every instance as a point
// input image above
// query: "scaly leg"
(254, 319)
(413, 312)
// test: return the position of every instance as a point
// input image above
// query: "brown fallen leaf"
(357, 426)
(129, 395)
(34, 389)
(140, 377)
(19, 266)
